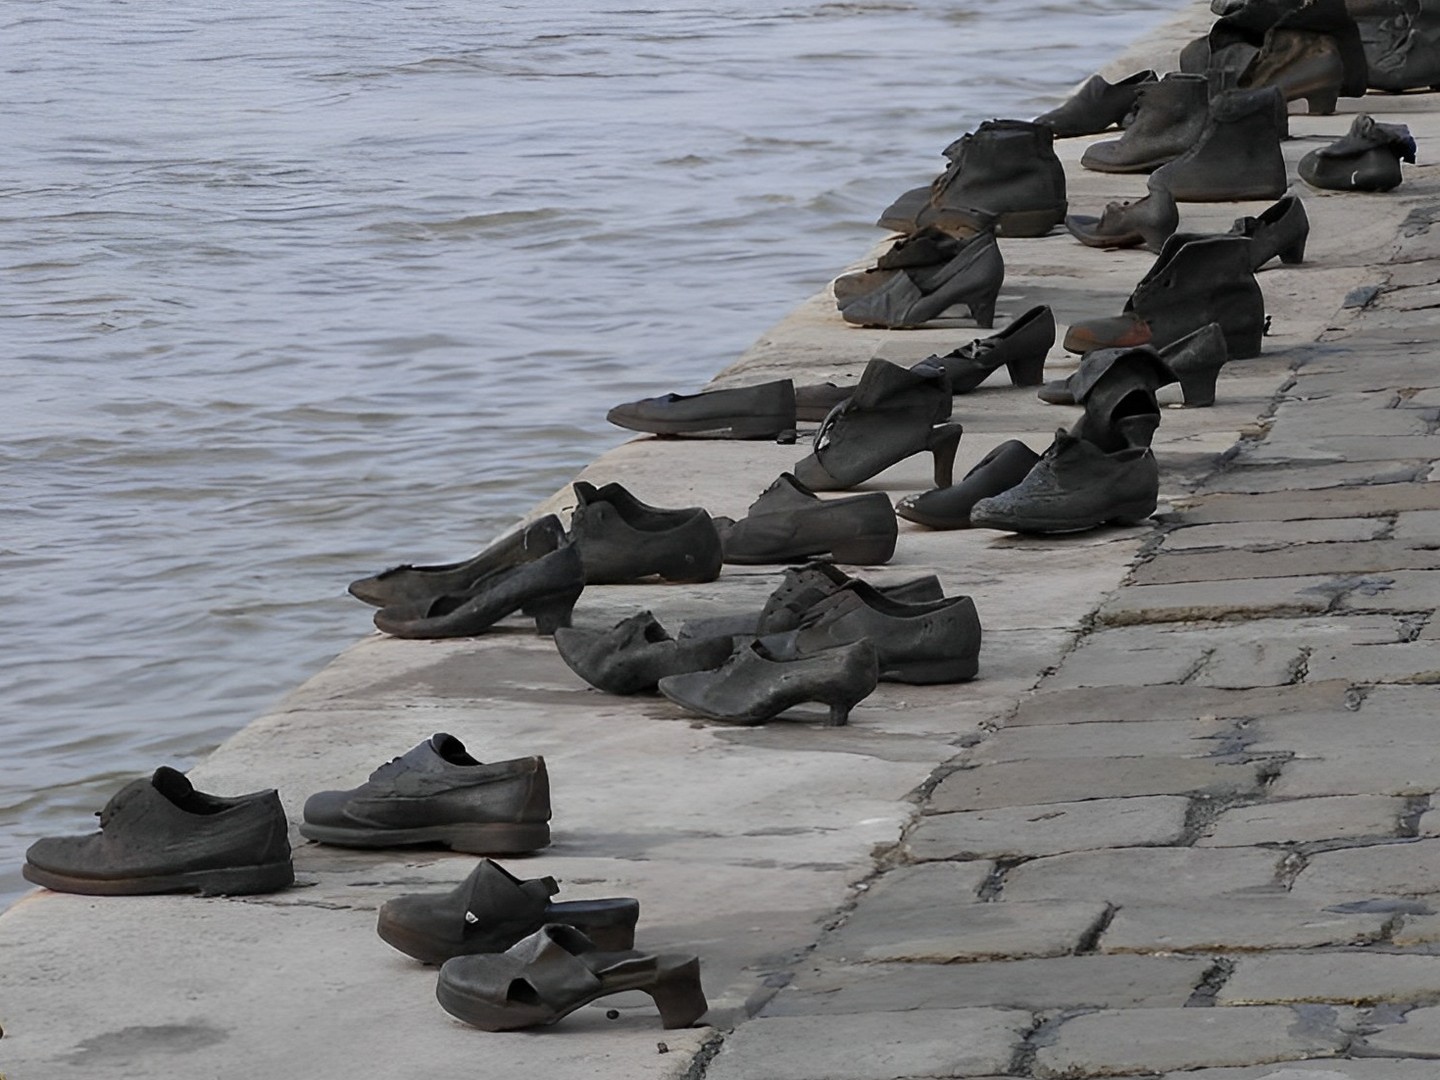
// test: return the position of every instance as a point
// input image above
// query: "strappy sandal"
(555, 971)
(491, 910)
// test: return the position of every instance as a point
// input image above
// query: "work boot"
(1367, 158)
(1401, 40)
(1300, 64)
(1169, 117)
(1237, 156)
(1096, 106)
(1192, 283)
(1248, 24)
(1007, 168)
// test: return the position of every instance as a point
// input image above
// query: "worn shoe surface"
(408, 585)
(621, 539)
(1237, 154)
(1196, 360)
(1076, 486)
(161, 836)
(544, 589)
(1401, 42)
(1300, 64)
(1020, 347)
(1096, 106)
(635, 654)
(814, 402)
(949, 508)
(765, 411)
(491, 910)
(437, 793)
(753, 686)
(1004, 168)
(1169, 116)
(790, 523)
(1118, 396)
(1146, 221)
(904, 299)
(1367, 158)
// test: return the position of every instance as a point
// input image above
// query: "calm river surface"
(292, 292)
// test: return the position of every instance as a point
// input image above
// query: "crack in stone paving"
(1215, 977)
(1089, 941)
(1409, 821)
(1043, 1032)
(700, 1062)
(994, 883)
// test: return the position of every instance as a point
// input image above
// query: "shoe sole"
(610, 924)
(229, 881)
(489, 839)
(922, 673)
(780, 428)
(1136, 514)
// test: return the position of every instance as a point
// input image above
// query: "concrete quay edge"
(1149, 840)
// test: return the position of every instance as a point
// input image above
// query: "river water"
(292, 292)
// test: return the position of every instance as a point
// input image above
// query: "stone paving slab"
(1129, 875)
(1352, 978)
(1234, 924)
(1251, 598)
(1336, 817)
(1125, 739)
(1118, 1042)
(1316, 558)
(1050, 828)
(1401, 662)
(1258, 479)
(1061, 780)
(1403, 868)
(1334, 1069)
(1395, 590)
(1147, 703)
(1267, 535)
(1368, 501)
(1417, 1036)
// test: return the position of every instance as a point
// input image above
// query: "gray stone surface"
(1238, 923)
(1417, 1036)
(1350, 978)
(1306, 820)
(1106, 704)
(930, 1042)
(1116, 1043)
(1248, 598)
(1361, 1069)
(1393, 869)
(942, 934)
(1266, 535)
(1370, 557)
(1058, 780)
(1050, 828)
(1128, 875)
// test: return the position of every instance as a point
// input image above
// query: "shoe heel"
(1294, 255)
(551, 613)
(839, 713)
(1198, 387)
(495, 839)
(864, 550)
(1322, 102)
(677, 994)
(982, 309)
(1026, 370)
(944, 441)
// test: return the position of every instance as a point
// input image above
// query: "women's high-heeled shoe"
(790, 523)
(1021, 347)
(910, 298)
(1196, 360)
(1147, 221)
(893, 413)
(763, 411)
(928, 249)
(1281, 230)
(556, 970)
(632, 656)
(491, 910)
(408, 584)
(753, 686)
(621, 539)
(545, 589)
(949, 508)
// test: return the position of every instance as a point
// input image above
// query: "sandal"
(555, 971)
(491, 910)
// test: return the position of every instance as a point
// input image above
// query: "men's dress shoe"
(949, 507)
(1146, 221)
(439, 794)
(1021, 348)
(933, 642)
(635, 654)
(621, 539)
(161, 836)
(904, 299)
(800, 589)
(766, 411)
(545, 589)
(409, 585)
(1076, 486)
(1096, 106)
(556, 970)
(753, 686)
(895, 412)
(1237, 155)
(1193, 282)
(1169, 116)
(1367, 158)
(790, 523)
(491, 910)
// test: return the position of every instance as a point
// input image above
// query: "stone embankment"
(1181, 826)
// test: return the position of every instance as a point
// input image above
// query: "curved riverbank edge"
(802, 863)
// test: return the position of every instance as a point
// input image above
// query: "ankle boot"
(1196, 360)
(1096, 106)
(1401, 41)
(1143, 362)
(1237, 156)
(949, 508)
(1300, 64)
(910, 298)
(1007, 168)
(1249, 23)
(1021, 347)
(1169, 117)
(1193, 282)
(1118, 394)
(1146, 221)
(1366, 159)
(893, 413)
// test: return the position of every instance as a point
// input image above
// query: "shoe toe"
(326, 808)
(814, 475)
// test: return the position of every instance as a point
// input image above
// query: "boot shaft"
(1237, 155)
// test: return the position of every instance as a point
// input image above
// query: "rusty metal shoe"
(636, 653)
(1146, 221)
(1096, 106)
(491, 910)
(790, 523)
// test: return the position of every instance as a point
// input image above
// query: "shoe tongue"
(451, 749)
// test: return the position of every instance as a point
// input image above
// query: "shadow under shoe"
(754, 686)
(1237, 155)
(621, 539)
(545, 589)
(764, 411)
(1021, 348)
(491, 910)
(893, 414)
(436, 793)
(408, 585)
(636, 653)
(1147, 221)
(933, 642)
(1095, 107)
(910, 298)
(1169, 116)
(949, 508)
(1367, 158)
(160, 835)
(1074, 487)
(790, 523)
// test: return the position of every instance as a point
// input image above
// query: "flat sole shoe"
(738, 427)
(229, 881)
(610, 924)
(1133, 515)
(491, 839)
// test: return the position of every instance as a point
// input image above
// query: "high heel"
(949, 507)
(1021, 348)
(944, 441)
(982, 310)
(552, 612)
(1196, 360)
(677, 993)
(1323, 102)
(912, 298)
